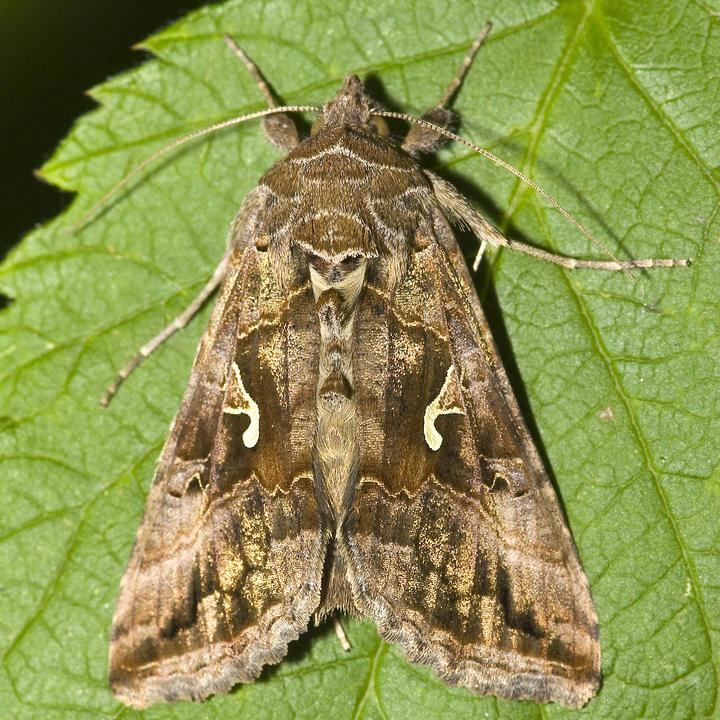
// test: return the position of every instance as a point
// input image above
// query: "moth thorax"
(337, 286)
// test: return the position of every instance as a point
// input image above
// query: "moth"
(349, 441)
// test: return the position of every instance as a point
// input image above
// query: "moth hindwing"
(349, 441)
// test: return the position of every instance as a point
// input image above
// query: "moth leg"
(341, 635)
(279, 129)
(177, 324)
(423, 140)
(460, 212)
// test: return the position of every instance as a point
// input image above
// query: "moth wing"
(454, 538)
(227, 564)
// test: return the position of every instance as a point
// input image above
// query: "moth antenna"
(617, 264)
(184, 140)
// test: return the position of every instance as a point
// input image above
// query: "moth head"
(351, 106)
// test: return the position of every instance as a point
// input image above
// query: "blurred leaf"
(612, 107)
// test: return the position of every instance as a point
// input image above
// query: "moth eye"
(316, 126)
(378, 124)
(262, 243)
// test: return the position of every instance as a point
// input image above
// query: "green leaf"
(612, 106)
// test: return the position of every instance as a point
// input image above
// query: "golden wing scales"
(214, 590)
(461, 554)
(349, 440)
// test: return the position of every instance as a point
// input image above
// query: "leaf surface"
(613, 108)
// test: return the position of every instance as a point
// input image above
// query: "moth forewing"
(221, 577)
(349, 441)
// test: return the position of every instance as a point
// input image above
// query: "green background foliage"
(612, 107)
(51, 53)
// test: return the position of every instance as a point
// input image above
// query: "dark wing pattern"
(227, 565)
(452, 498)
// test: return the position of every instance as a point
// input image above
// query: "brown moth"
(349, 441)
